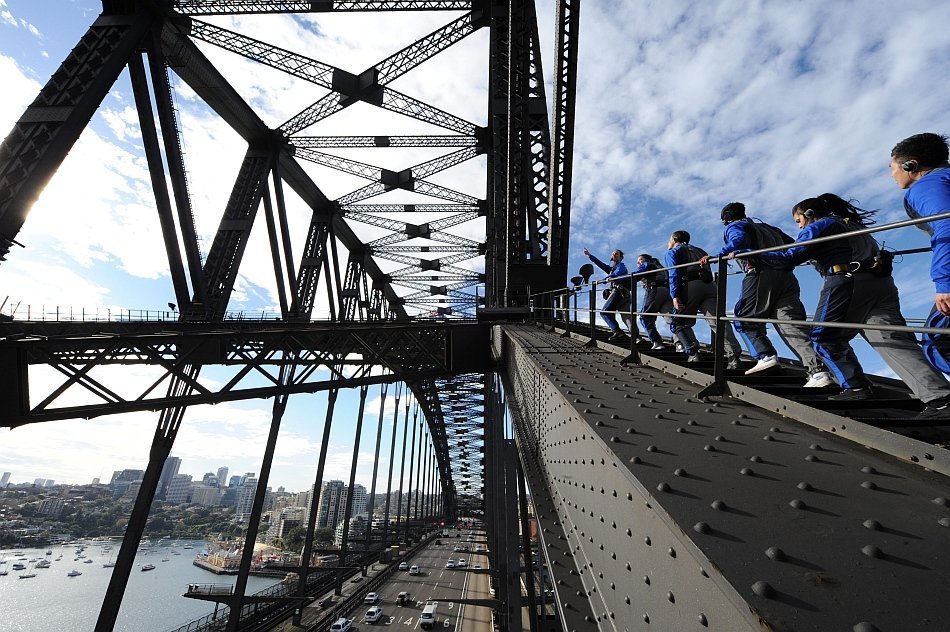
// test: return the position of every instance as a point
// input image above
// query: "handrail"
(718, 322)
(752, 253)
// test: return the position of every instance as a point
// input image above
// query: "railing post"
(592, 308)
(718, 385)
(634, 356)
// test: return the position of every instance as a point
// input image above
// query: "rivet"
(615, 439)
(627, 600)
(646, 580)
(679, 472)
(719, 505)
(775, 553)
(864, 626)
(702, 571)
(872, 551)
(797, 504)
(701, 527)
(658, 416)
(670, 597)
(940, 500)
(702, 620)
(867, 469)
(631, 431)
(646, 618)
(615, 416)
(775, 430)
(719, 438)
(763, 589)
(755, 459)
(742, 416)
(691, 422)
(599, 423)
(651, 448)
(647, 541)
(587, 411)
(681, 430)
(736, 422)
(709, 448)
(635, 460)
(670, 410)
(747, 471)
(815, 446)
(944, 522)
(873, 525)
(869, 485)
(805, 487)
(811, 458)
(671, 551)
(768, 438)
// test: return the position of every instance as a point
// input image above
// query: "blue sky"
(681, 108)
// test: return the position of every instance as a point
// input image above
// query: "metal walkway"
(684, 513)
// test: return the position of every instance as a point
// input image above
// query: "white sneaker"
(658, 346)
(819, 380)
(763, 364)
(679, 347)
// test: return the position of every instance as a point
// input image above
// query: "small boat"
(187, 546)
(43, 564)
(164, 559)
(148, 567)
(49, 551)
(87, 561)
(18, 567)
(108, 565)
(27, 575)
(73, 573)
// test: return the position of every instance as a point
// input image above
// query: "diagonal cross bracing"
(230, 7)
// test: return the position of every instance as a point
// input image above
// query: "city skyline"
(769, 104)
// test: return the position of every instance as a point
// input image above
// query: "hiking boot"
(617, 335)
(852, 394)
(764, 364)
(819, 380)
(694, 358)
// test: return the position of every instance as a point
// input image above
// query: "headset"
(732, 212)
(808, 213)
(910, 166)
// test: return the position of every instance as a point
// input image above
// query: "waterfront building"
(245, 498)
(169, 470)
(179, 489)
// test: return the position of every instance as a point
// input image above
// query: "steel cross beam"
(255, 350)
(230, 7)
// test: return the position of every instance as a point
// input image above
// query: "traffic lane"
(434, 583)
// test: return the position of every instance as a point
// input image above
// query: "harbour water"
(52, 601)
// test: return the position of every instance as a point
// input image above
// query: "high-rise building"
(331, 505)
(49, 482)
(235, 481)
(169, 470)
(179, 489)
(358, 508)
(207, 496)
(95, 481)
(245, 498)
(5, 479)
(210, 479)
(39, 482)
(127, 476)
(222, 476)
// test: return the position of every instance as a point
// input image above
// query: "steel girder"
(226, 7)
(328, 356)
(40, 140)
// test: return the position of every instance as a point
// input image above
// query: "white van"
(414, 570)
(427, 620)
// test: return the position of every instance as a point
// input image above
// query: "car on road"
(456, 548)
(402, 599)
(414, 570)
(373, 615)
(371, 597)
(403, 566)
(477, 566)
(450, 564)
(427, 620)
(326, 602)
(461, 563)
(341, 625)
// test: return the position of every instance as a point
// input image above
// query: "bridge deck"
(684, 513)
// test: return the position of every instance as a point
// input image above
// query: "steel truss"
(445, 366)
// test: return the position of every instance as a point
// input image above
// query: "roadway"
(437, 583)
